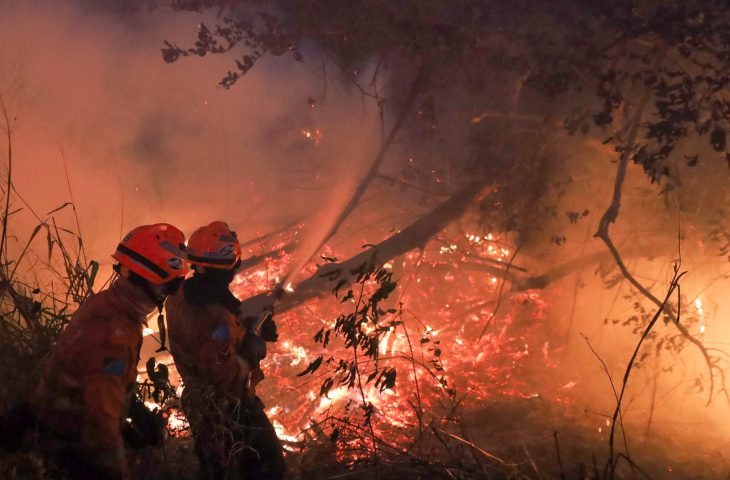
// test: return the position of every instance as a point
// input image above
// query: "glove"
(268, 330)
(252, 349)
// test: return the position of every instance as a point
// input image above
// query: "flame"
(442, 324)
(701, 314)
(313, 135)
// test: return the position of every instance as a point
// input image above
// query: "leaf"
(50, 242)
(150, 366)
(59, 208)
(326, 387)
(692, 160)
(332, 275)
(312, 367)
(387, 379)
(170, 54)
(93, 270)
(339, 285)
(326, 338)
(160, 375)
(717, 139)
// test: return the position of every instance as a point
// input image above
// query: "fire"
(700, 314)
(177, 424)
(436, 350)
(454, 363)
(313, 135)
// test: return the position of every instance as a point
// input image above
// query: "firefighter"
(218, 359)
(90, 376)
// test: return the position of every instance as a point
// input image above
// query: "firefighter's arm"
(218, 359)
(105, 391)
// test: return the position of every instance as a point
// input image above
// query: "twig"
(613, 388)
(9, 186)
(419, 411)
(499, 295)
(266, 236)
(557, 451)
(532, 462)
(476, 448)
(633, 465)
(674, 284)
(379, 158)
(611, 214)
(73, 205)
(397, 181)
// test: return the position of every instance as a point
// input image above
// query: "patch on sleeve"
(221, 333)
(115, 366)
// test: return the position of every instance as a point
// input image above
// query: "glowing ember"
(439, 356)
(313, 135)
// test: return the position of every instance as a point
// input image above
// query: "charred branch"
(372, 173)
(411, 237)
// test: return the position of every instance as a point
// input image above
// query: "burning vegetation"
(493, 236)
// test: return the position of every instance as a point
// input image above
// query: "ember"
(414, 348)
(493, 239)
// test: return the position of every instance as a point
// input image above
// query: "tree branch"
(413, 236)
(610, 216)
(662, 307)
(378, 160)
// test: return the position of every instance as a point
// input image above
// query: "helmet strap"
(158, 299)
(162, 329)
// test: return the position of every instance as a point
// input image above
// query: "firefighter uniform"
(219, 368)
(90, 375)
(88, 379)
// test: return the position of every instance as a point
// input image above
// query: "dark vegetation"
(490, 91)
(485, 94)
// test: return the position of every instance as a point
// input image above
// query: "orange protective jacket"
(91, 373)
(203, 342)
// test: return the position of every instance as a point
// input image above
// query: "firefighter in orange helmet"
(218, 360)
(91, 373)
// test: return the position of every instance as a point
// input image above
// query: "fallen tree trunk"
(416, 235)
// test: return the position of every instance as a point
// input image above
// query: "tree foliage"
(503, 81)
(361, 331)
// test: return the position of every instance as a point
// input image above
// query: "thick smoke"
(144, 141)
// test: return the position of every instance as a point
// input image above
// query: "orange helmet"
(215, 246)
(154, 252)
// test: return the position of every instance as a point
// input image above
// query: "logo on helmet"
(175, 263)
(226, 250)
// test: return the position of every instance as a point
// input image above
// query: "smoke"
(144, 141)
